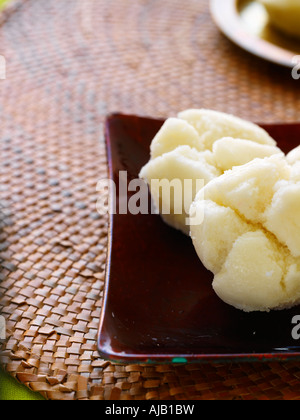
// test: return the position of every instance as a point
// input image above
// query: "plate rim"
(160, 358)
(226, 17)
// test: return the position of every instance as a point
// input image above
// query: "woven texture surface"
(69, 64)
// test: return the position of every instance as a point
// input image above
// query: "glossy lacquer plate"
(159, 305)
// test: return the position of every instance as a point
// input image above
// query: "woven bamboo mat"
(69, 63)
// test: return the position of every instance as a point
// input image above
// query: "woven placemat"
(69, 64)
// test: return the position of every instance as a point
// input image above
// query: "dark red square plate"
(159, 305)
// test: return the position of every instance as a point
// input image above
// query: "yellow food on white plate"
(191, 150)
(250, 234)
(285, 15)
